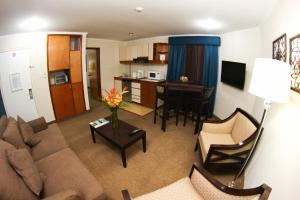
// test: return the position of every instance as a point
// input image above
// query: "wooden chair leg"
(155, 111)
(164, 118)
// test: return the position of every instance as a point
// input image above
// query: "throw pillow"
(3, 124)
(23, 163)
(12, 134)
(26, 131)
(33, 140)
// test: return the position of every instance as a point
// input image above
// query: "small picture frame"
(15, 82)
(279, 48)
(295, 62)
(162, 57)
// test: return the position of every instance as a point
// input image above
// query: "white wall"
(109, 60)
(147, 67)
(239, 46)
(37, 45)
(276, 161)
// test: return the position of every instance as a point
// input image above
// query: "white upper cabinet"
(133, 52)
(143, 50)
(122, 53)
(150, 51)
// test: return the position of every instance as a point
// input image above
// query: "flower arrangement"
(113, 101)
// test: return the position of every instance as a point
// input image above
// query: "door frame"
(98, 68)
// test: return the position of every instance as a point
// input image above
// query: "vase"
(114, 118)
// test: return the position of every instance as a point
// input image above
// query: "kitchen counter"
(141, 91)
(138, 79)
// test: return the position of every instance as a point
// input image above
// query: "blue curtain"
(2, 109)
(176, 62)
(210, 72)
(195, 40)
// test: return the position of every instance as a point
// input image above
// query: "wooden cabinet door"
(62, 100)
(78, 96)
(148, 94)
(58, 52)
(75, 66)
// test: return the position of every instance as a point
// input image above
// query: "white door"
(16, 84)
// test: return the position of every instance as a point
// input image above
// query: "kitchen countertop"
(138, 79)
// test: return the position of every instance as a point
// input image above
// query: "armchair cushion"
(181, 189)
(242, 129)
(209, 192)
(225, 127)
(207, 139)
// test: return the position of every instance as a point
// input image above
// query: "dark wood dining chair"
(200, 105)
(181, 89)
(160, 95)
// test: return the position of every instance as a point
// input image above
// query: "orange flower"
(113, 98)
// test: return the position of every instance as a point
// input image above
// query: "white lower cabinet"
(136, 92)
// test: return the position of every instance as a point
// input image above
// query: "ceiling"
(114, 19)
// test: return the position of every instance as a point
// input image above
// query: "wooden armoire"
(65, 75)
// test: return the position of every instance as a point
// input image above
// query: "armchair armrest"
(202, 181)
(126, 195)
(65, 195)
(38, 124)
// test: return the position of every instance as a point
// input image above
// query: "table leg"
(93, 134)
(123, 158)
(144, 143)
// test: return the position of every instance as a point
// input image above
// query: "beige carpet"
(136, 108)
(169, 155)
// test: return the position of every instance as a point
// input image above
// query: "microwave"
(155, 75)
(60, 78)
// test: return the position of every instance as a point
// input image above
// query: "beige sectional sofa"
(64, 175)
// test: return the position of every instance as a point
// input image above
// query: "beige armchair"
(200, 185)
(227, 143)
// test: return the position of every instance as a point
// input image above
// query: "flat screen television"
(233, 73)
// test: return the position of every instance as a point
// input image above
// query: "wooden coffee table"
(122, 137)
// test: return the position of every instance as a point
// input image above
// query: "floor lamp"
(270, 81)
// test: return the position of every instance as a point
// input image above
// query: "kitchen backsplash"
(146, 68)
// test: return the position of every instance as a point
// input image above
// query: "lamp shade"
(271, 80)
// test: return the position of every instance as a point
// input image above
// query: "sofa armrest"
(126, 195)
(38, 124)
(65, 195)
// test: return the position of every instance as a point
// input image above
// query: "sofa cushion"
(242, 128)
(51, 141)
(12, 134)
(3, 124)
(181, 189)
(65, 171)
(65, 195)
(207, 139)
(12, 187)
(22, 162)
